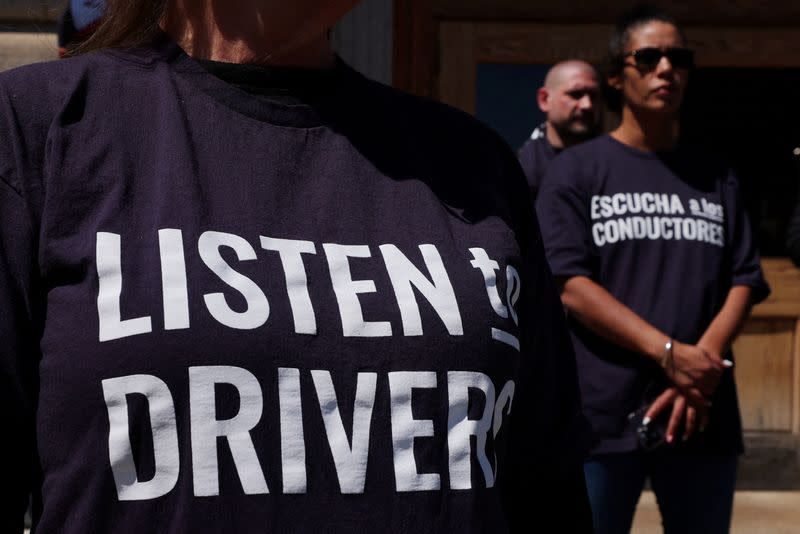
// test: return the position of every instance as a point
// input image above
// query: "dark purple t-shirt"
(535, 157)
(667, 235)
(222, 314)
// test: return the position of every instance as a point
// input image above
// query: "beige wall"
(19, 48)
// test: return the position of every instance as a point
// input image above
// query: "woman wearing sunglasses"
(658, 270)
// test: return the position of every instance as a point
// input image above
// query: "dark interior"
(751, 117)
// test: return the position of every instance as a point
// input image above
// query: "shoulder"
(532, 161)
(30, 92)
(36, 98)
(527, 149)
(468, 165)
(578, 166)
(592, 150)
(441, 131)
(532, 147)
(37, 93)
(437, 137)
(535, 141)
(43, 83)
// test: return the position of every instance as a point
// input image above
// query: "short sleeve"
(563, 211)
(18, 356)
(744, 255)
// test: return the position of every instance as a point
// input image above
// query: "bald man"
(570, 98)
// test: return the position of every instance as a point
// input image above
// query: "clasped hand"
(695, 371)
(682, 413)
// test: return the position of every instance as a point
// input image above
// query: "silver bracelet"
(666, 359)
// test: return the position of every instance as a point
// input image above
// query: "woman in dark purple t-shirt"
(658, 270)
(245, 289)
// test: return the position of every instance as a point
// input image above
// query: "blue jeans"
(694, 493)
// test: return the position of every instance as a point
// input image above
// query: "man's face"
(573, 104)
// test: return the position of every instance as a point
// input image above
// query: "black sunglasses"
(648, 58)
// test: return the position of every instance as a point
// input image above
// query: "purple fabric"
(352, 294)
(534, 158)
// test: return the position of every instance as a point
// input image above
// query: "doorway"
(749, 117)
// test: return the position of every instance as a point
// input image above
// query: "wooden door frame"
(464, 45)
(749, 26)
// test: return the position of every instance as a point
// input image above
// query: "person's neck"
(270, 33)
(647, 131)
(553, 137)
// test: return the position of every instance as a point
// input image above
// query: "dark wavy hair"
(629, 21)
(125, 23)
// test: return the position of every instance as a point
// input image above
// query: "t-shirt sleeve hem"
(571, 272)
(761, 289)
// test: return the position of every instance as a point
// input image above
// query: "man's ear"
(542, 98)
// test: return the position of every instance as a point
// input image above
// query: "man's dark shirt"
(535, 157)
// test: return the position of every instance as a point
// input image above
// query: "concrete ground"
(755, 512)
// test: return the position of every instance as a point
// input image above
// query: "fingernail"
(685, 438)
(646, 421)
(727, 363)
(669, 438)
